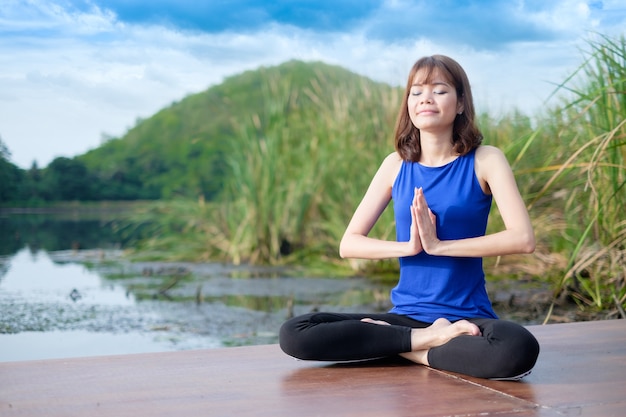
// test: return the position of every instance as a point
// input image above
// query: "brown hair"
(465, 134)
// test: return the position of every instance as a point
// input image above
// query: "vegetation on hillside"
(182, 150)
(295, 165)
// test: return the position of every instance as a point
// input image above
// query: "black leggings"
(504, 350)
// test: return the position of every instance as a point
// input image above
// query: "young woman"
(442, 182)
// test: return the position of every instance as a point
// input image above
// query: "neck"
(437, 150)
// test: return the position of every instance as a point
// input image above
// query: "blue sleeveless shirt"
(431, 287)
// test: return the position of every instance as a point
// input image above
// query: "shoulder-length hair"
(465, 134)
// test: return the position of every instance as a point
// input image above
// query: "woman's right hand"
(415, 243)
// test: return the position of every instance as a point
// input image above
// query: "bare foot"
(437, 334)
(442, 331)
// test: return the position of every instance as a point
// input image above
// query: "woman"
(442, 182)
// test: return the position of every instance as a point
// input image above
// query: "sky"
(74, 73)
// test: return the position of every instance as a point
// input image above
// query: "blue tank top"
(431, 287)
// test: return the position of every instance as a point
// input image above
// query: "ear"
(459, 106)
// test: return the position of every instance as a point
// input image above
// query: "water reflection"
(53, 305)
(60, 231)
(35, 276)
(65, 291)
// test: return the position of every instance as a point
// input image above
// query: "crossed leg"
(486, 348)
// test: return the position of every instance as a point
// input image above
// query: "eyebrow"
(433, 83)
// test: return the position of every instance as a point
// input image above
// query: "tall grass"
(589, 179)
(297, 168)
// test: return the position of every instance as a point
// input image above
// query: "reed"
(590, 178)
(298, 168)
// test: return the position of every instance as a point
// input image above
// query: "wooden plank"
(243, 381)
(582, 366)
(581, 371)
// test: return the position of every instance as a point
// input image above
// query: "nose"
(426, 97)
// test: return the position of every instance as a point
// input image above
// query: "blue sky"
(73, 72)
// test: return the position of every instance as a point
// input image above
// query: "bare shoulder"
(393, 159)
(488, 152)
(490, 164)
(389, 168)
(391, 164)
(490, 158)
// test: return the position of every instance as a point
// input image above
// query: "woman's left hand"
(426, 222)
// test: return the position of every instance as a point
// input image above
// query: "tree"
(5, 154)
(10, 175)
(67, 179)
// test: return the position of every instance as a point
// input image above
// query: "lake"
(66, 290)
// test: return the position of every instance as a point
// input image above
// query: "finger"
(433, 218)
(421, 198)
(422, 207)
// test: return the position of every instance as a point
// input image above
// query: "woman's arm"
(494, 173)
(355, 242)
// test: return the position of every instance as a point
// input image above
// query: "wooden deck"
(581, 372)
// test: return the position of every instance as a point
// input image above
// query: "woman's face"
(433, 105)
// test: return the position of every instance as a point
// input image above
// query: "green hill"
(180, 151)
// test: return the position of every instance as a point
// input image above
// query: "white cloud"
(92, 74)
(40, 15)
